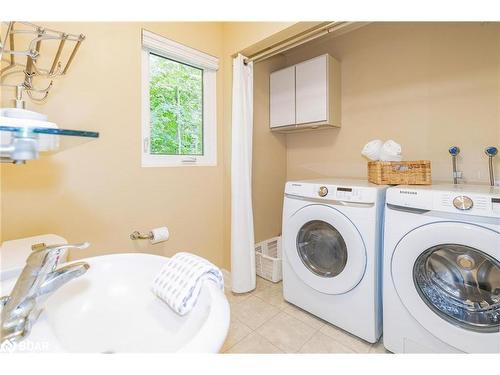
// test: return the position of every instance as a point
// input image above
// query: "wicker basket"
(417, 172)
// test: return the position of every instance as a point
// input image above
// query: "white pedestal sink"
(111, 309)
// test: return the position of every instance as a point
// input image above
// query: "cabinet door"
(282, 97)
(311, 90)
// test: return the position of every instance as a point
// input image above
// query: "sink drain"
(108, 352)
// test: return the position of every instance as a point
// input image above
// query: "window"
(178, 104)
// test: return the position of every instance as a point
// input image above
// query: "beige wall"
(269, 157)
(98, 191)
(427, 86)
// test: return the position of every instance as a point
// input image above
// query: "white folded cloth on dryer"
(390, 151)
(372, 149)
(180, 280)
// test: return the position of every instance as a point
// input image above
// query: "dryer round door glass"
(325, 249)
(322, 248)
(461, 284)
(446, 275)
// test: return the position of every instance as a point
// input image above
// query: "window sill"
(164, 163)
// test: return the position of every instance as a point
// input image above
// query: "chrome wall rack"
(20, 50)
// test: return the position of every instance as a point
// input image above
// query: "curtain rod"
(295, 41)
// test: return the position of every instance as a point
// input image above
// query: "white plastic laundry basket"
(268, 259)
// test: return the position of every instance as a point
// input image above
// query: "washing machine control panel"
(331, 192)
(323, 191)
(347, 194)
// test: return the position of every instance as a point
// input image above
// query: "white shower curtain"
(242, 235)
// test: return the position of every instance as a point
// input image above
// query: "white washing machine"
(442, 269)
(331, 242)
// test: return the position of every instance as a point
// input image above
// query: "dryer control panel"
(469, 200)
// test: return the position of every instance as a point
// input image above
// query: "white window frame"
(154, 43)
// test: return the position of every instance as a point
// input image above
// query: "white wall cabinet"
(311, 93)
(282, 97)
(306, 95)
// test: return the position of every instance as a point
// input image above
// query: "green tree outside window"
(176, 107)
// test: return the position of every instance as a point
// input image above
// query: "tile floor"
(263, 322)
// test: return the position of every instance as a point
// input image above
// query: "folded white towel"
(372, 149)
(180, 279)
(390, 151)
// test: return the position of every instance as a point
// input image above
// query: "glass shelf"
(51, 131)
(19, 143)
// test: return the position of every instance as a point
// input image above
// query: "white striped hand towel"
(180, 279)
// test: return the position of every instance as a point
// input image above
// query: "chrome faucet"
(454, 151)
(37, 281)
(491, 151)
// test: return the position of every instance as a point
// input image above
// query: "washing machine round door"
(325, 249)
(447, 275)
